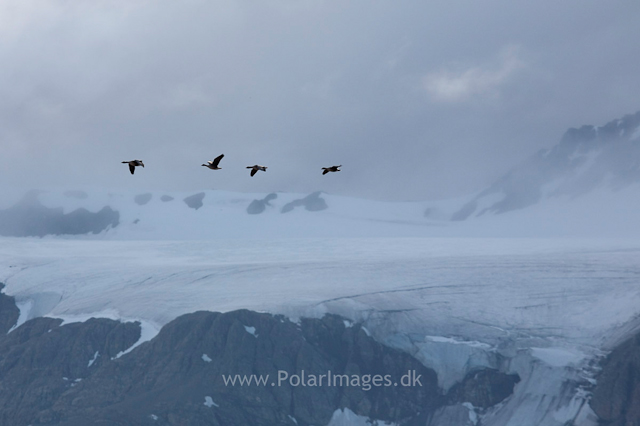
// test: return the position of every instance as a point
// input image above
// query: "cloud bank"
(415, 100)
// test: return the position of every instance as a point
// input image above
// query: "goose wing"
(253, 171)
(216, 160)
(132, 168)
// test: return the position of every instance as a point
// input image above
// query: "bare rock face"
(40, 361)
(206, 368)
(142, 199)
(195, 201)
(484, 388)
(616, 396)
(312, 202)
(183, 375)
(9, 312)
(452, 415)
(179, 375)
(259, 206)
(166, 198)
(29, 218)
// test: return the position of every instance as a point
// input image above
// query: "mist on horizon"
(416, 101)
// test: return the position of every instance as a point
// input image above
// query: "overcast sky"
(416, 99)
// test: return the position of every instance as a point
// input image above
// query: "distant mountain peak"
(585, 158)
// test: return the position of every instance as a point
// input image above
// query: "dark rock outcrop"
(174, 373)
(40, 361)
(194, 201)
(142, 199)
(466, 211)
(166, 198)
(256, 207)
(29, 218)
(483, 388)
(312, 202)
(9, 312)
(259, 206)
(616, 396)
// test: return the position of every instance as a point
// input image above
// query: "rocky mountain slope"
(81, 373)
(29, 218)
(616, 397)
(585, 158)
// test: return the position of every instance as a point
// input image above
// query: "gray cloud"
(445, 95)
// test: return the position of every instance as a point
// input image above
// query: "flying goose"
(213, 165)
(133, 164)
(331, 169)
(254, 169)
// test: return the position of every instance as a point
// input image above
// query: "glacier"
(544, 293)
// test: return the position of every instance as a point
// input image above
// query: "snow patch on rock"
(347, 417)
(208, 401)
(92, 360)
(148, 330)
(25, 313)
